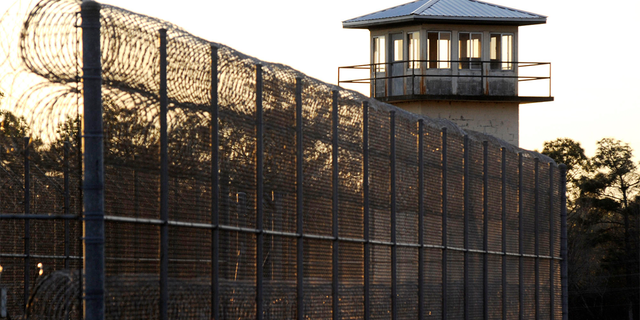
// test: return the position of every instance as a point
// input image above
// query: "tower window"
(439, 50)
(470, 45)
(501, 51)
(413, 43)
(379, 57)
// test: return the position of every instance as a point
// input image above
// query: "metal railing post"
(93, 185)
(549, 79)
(373, 94)
(388, 79)
(365, 197)
(485, 84)
(394, 246)
(260, 193)
(164, 180)
(336, 249)
(215, 187)
(300, 199)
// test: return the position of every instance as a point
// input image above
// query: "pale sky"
(591, 45)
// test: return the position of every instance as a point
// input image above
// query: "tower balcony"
(451, 80)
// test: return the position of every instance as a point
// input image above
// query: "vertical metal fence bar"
(564, 242)
(394, 248)
(421, 278)
(93, 185)
(466, 225)
(336, 249)
(536, 228)
(552, 230)
(67, 202)
(485, 232)
(503, 174)
(521, 237)
(260, 192)
(444, 223)
(79, 203)
(27, 223)
(215, 187)
(365, 196)
(300, 200)
(164, 180)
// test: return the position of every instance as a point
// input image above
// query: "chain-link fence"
(257, 192)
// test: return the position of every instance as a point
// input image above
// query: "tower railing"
(424, 79)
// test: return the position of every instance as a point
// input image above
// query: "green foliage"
(602, 228)
(12, 126)
(13, 129)
(569, 152)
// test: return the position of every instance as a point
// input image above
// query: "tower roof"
(446, 11)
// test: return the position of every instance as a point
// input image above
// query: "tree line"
(603, 207)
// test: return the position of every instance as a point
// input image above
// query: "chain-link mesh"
(473, 209)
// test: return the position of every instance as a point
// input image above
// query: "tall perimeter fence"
(216, 186)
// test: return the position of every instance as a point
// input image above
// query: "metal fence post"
(336, 249)
(164, 180)
(552, 230)
(365, 197)
(503, 174)
(536, 228)
(27, 223)
(564, 242)
(465, 199)
(485, 240)
(444, 223)
(67, 202)
(394, 246)
(93, 186)
(300, 199)
(260, 192)
(421, 278)
(215, 187)
(521, 236)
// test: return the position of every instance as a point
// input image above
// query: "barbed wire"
(40, 76)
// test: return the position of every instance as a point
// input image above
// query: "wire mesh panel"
(495, 289)
(351, 281)
(433, 221)
(528, 216)
(380, 282)
(513, 288)
(475, 225)
(512, 235)
(407, 220)
(317, 272)
(268, 241)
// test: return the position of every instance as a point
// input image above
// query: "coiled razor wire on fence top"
(42, 70)
(467, 251)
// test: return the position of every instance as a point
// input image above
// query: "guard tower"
(454, 59)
